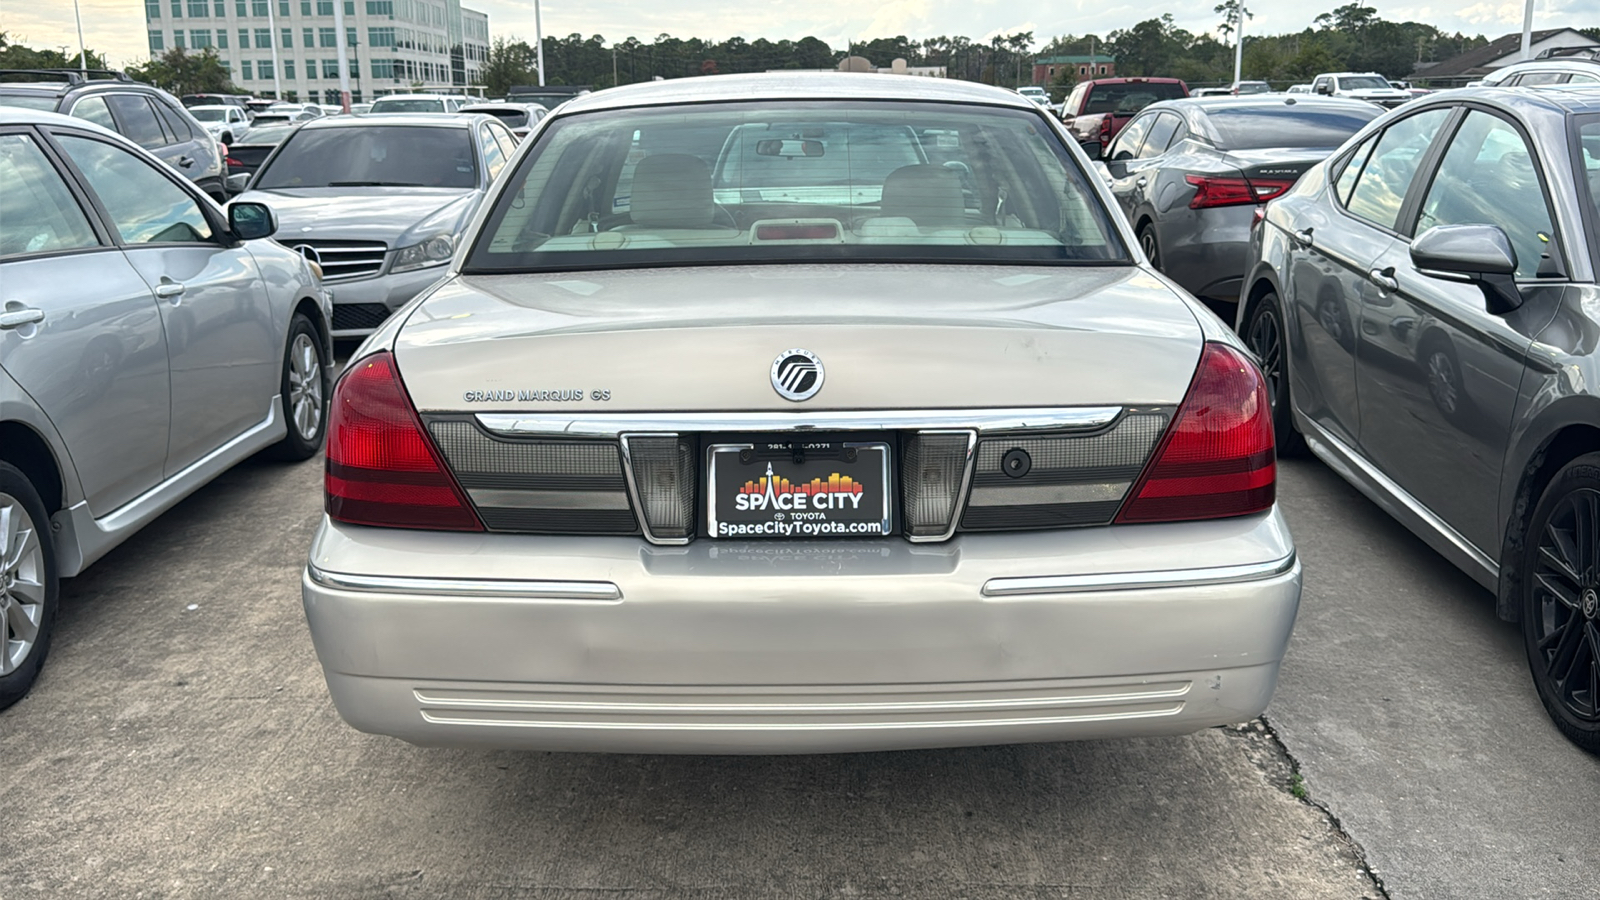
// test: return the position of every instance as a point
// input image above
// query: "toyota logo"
(797, 375)
(309, 252)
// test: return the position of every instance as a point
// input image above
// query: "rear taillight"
(1105, 130)
(1211, 190)
(382, 467)
(1257, 217)
(1217, 458)
(233, 162)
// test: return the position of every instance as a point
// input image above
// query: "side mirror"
(1094, 150)
(1324, 89)
(1477, 254)
(251, 221)
(237, 183)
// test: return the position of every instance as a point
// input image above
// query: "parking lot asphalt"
(181, 744)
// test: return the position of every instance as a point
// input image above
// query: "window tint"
(1160, 135)
(374, 155)
(144, 205)
(1299, 126)
(493, 156)
(1381, 185)
(1128, 141)
(181, 132)
(1127, 99)
(1487, 177)
(47, 104)
(1363, 83)
(37, 212)
(95, 110)
(138, 120)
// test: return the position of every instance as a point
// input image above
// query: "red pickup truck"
(1097, 109)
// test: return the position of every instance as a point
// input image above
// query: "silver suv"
(148, 341)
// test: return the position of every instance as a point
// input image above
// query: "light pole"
(1238, 41)
(272, 40)
(344, 56)
(538, 40)
(83, 55)
(1527, 30)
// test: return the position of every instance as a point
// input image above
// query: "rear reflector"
(662, 467)
(1211, 191)
(1217, 459)
(933, 471)
(382, 467)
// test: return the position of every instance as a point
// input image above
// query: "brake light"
(233, 162)
(1257, 217)
(1211, 191)
(1105, 130)
(382, 467)
(1217, 458)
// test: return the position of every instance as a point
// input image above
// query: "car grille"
(353, 316)
(344, 260)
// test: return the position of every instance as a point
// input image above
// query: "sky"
(116, 27)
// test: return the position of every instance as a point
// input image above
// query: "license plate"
(829, 489)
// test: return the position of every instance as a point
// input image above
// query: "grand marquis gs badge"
(797, 374)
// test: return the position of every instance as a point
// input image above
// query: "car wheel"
(1147, 243)
(1266, 337)
(1561, 600)
(305, 398)
(28, 584)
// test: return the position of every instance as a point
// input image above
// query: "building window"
(288, 69)
(350, 36)
(324, 7)
(263, 39)
(244, 38)
(380, 37)
(200, 39)
(152, 9)
(244, 71)
(1102, 70)
(380, 8)
(383, 68)
(330, 68)
(286, 36)
(177, 9)
(177, 40)
(156, 44)
(305, 7)
(242, 7)
(349, 7)
(311, 70)
(264, 69)
(327, 37)
(219, 9)
(308, 37)
(199, 9)
(259, 8)
(283, 8)
(222, 38)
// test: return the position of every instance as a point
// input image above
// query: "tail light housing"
(1105, 131)
(1218, 457)
(933, 479)
(1212, 191)
(383, 469)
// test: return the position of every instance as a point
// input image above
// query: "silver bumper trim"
(484, 588)
(983, 420)
(1131, 581)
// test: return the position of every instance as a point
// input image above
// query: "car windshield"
(421, 104)
(373, 156)
(209, 114)
(809, 180)
(48, 104)
(1254, 87)
(1127, 99)
(270, 133)
(1298, 126)
(1363, 83)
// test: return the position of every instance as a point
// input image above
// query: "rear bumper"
(609, 644)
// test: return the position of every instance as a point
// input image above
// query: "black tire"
(1147, 243)
(1561, 600)
(16, 491)
(1267, 337)
(306, 431)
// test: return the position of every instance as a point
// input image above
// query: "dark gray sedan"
(1190, 174)
(1425, 308)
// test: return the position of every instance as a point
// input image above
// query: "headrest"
(925, 194)
(672, 190)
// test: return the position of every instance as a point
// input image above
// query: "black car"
(149, 116)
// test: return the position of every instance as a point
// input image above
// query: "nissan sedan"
(722, 435)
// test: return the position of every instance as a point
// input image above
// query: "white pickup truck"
(1368, 86)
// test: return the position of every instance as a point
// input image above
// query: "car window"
(1487, 177)
(144, 205)
(1352, 168)
(1160, 135)
(508, 143)
(1581, 78)
(494, 157)
(1128, 98)
(1530, 79)
(421, 104)
(38, 213)
(736, 182)
(1381, 185)
(1298, 126)
(181, 132)
(373, 156)
(22, 101)
(138, 120)
(94, 109)
(1363, 83)
(1131, 138)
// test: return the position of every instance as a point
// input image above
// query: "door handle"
(1303, 237)
(167, 289)
(185, 161)
(1384, 278)
(16, 318)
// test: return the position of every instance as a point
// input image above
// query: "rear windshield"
(1261, 127)
(408, 106)
(753, 182)
(209, 115)
(1127, 99)
(373, 156)
(48, 104)
(512, 117)
(269, 133)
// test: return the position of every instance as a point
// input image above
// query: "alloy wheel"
(1566, 604)
(1266, 339)
(305, 387)
(22, 584)
(1147, 243)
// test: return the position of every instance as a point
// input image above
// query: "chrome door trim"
(601, 425)
(1384, 491)
(485, 588)
(1138, 581)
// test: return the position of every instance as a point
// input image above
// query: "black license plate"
(829, 489)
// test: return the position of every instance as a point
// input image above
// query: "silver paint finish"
(585, 591)
(1129, 581)
(22, 583)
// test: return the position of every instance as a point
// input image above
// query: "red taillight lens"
(382, 467)
(234, 162)
(1217, 458)
(1210, 190)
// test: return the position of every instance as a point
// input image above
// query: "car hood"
(888, 337)
(392, 215)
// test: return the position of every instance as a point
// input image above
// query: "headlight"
(435, 251)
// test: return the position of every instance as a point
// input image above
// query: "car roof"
(16, 115)
(794, 86)
(222, 106)
(1558, 99)
(433, 120)
(412, 97)
(1262, 101)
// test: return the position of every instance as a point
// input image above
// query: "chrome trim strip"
(1136, 581)
(961, 498)
(1015, 495)
(506, 498)
(486, 589)
(602, 425)
(633, 489)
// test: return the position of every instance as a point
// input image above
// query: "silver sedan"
(777, 414)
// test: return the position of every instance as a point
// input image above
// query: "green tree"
(510, 63)
(16, 56)
(182, 72)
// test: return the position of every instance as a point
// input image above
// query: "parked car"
(905, 468)
(417, 103)
(148, 341)
(1368, 86)
(222, 122)
(1098, 108)
(1191, 174)
(248, 151)
(1211, 92)
(151, 117)
(1299, 89)
(548, 96)
(1549, 70)
(360, 108)
(1035, 93)
(1426, 310)
(380, 202)
(240, 100)
(1244, 88)
(518, 117)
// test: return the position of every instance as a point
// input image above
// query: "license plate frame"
(817, 507)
